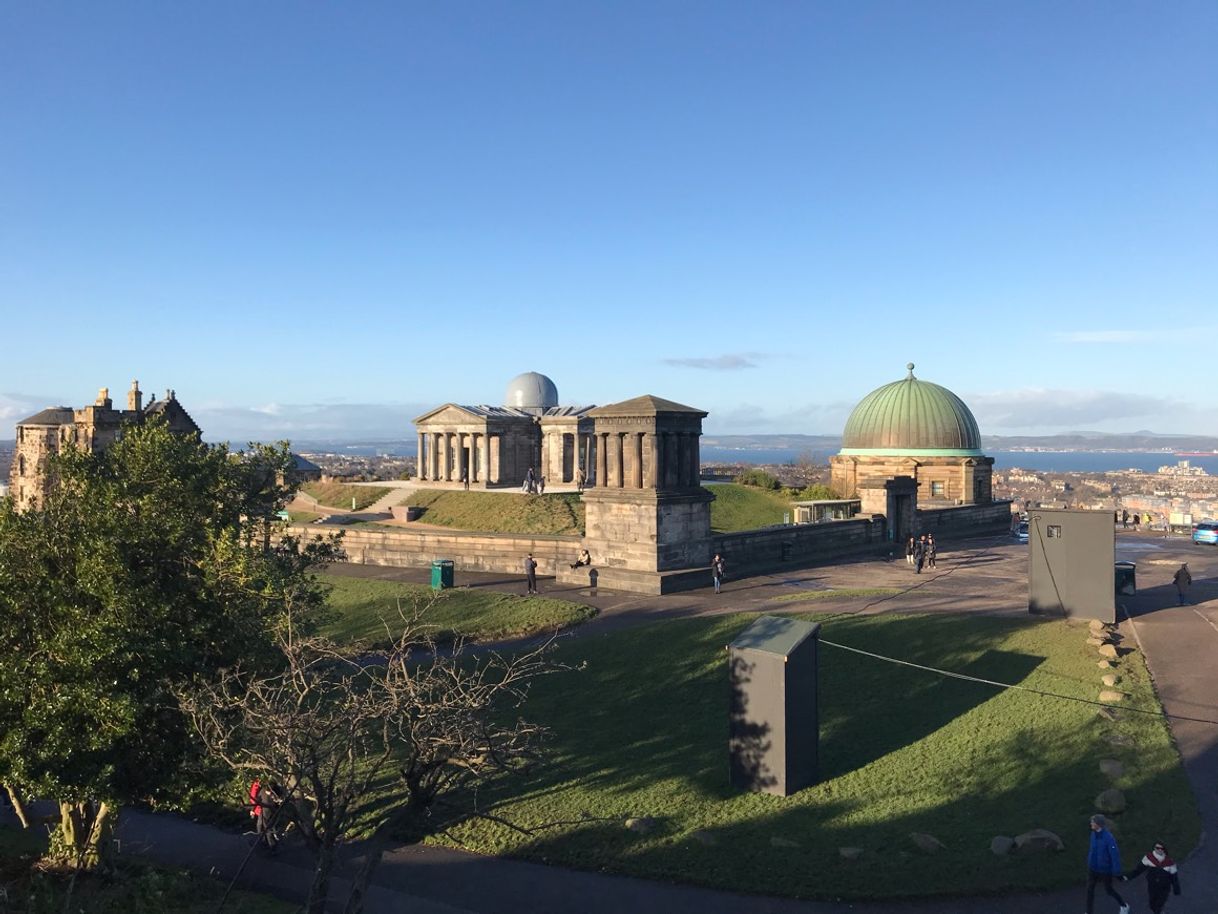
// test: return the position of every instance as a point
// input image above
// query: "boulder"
(850, 853)
(1001, 846)
(1110, 801)
(705, 838)
(1096, 642)
(1037, 841)
(1109, 680)
(1111, 767)
(641, 825)
(783, 842)
(1105, 664)
(928, 844)
(1108, 695)
(1109, 651)
(1099, 626)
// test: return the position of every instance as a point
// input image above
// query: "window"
(1054, 531)
(936, 490)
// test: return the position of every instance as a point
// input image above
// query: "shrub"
(757, 478)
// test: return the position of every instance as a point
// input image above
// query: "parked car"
(1206, 532)
(1021, 533)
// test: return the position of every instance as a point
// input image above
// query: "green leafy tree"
(149, 565)
(818, 492)
(758, 478)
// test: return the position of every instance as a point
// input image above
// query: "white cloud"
(731, 361)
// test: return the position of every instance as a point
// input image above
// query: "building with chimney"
(93, 428)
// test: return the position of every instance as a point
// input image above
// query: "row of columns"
(620, 462)
(442, 456)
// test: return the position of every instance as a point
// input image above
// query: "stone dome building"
(916, 430)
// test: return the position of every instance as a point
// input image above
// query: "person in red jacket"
(1162, 876)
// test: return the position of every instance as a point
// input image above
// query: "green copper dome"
(911, 417)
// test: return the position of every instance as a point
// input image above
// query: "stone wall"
(798, 545)
(470, 551)
(966, 520)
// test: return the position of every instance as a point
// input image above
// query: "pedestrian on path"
(1103, 863)
(919, 554)
(1182, 580)
(580, 479)
(718, 566)
(530, 574)
(1162, 877)
(932, 551)
(909, 551)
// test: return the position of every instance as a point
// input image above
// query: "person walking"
(541, 485)
(580, 479)
(932, 551)
(909, 551)
(718, 566)
(1182, 580)
(919, 554)
(1103, 863)
(1125, 519)
(530, 575)
(1162, 877)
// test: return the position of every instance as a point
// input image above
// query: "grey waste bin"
(441, 574)
(1126, 578)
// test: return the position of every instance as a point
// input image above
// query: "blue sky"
(314, 219)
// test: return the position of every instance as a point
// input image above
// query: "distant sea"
(1049, 461)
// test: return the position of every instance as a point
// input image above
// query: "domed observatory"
(529, 437)
(531, 392)
(913, 430)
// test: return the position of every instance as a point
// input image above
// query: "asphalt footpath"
(988, 576)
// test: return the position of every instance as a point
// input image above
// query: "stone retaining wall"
(503, 552)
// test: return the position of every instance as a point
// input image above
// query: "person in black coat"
(1162, 876)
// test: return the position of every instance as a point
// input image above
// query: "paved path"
(987, 576)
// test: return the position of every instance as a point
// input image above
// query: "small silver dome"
(531, 391)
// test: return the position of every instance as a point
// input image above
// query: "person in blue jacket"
(1103, 862)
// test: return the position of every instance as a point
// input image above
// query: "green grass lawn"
(135, 889)
(502, 512)
(362, 607)
(642, 731)
(339, 495)
(303, 517)
(738, 507)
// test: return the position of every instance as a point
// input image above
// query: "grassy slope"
(339, 495)
(642, 731)
(502, 512)
(746, 508)
(361, 605)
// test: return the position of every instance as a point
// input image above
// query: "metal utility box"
(441, 574)
(773, 735)
(1070, 563)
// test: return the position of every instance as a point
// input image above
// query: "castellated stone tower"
(647, 518)
(95, 428)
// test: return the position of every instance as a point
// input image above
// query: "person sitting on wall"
(582, 559)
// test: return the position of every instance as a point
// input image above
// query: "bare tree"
(333, 727)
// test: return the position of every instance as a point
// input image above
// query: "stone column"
(420, 471)
(619, 450)
(494, 448)
(462, 467)
(602, 460)
(475, 444)
(637, 443)
(657, 460)
(695, 461)
(433, 456)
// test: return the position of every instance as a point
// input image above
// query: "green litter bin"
(1126, 578)
(441, 574)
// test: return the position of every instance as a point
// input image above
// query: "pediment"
(449, 414)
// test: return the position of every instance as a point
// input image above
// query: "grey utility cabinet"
(774, 737)
(1071, 563)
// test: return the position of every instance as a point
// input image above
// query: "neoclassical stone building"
(497, 445)
(912, 439)
(93, 428)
